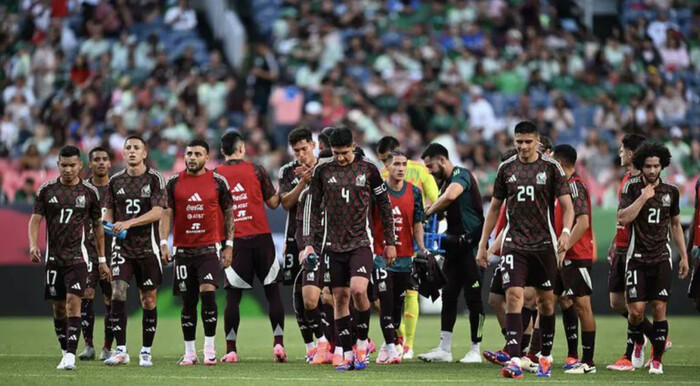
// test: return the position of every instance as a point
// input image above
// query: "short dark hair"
(137, 137)
(396, 153)
(434, 150)
(199, 142)
(546, 143)
(98, 149)
(69, 151)
(386, 144)
(300, 134)
(565, 153)
(340, 137)
(648, 150)
(508, 154)
(632, 142)
(230, 141)
(526, 127)
(325, 153)
(324, 137)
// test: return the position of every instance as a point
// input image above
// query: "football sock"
(527, 317)
(276, 312)
(588, 347)
(188, 316)
(232, 317)
(536, 342)
(344, 325)
(59, 327)
(189, 344)
(87, 314)
(659, 341)
(363, 324)
(109, 334)
(209, 342)
(476, 325)
(446, 341)
(72, 334)
(634, 335)
(119, 321)
(410, 320)
(525, 342)
(328, 322)
(306, 333)
(209, 312)
(547, 331)
(648, 328)
(315, 321)
(570, 321)
(514, 333)
(388, 330)
(503, 332)
(149, 321)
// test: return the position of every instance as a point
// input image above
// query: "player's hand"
(560, 259)
(165, 255)
(307, 251)
(35, 254)
(121, 226)
(482, 256)
(683, 269)
(105, 272)
(648, 192)
(304, 173)
(226, 257)
(390, 252)
(563, 243)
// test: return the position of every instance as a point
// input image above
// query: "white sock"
(348, 355)
(362, 344)
(476, 346)
(69, 358)
(121, 348)
(322, 339)
(310, 346)
(146, 350)
(209, 342)
(392, 349)
(338, 351)
(446, 341)
(189, 346)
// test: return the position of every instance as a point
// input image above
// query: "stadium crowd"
(460, 73)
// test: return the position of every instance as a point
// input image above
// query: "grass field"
(29, 355)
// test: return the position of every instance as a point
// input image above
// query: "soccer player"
(344, 186)
(530, 182)
(573, 285)
(196, 198)
(650, 207)
(99, 163)
(391, 281)
(617, 255)
(134, 201)
(416, 174)
(694, 250)
(461, 202)
(254, 254)
(71, 207)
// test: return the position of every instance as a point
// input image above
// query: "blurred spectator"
(674, 56)
(96, 45)
(657, 29)
(609, 115)
(287, 102)
(31, 160)
(680, 150)
(4, 198)
(481, 115)
(691, 166)
(19, 87)
(264, 73)
(671, 107)
(181, 17)
(560, 115)
(26, 193)
(44, 69)
(211, 96)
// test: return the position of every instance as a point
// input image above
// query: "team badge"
(52, 291)
(287, 275)
(80, 201)
(541, 178)
(115, 271)
(310, 276)
(327, 277)
(633, 292)
(505, 277)
(382, 286)
(183, 286)
(146, 191)
(666, 200)
(361, 180)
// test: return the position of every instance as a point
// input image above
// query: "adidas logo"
(238, 188)
(476, 284)
(396, 211)
(121, 191)
(512, 342)
(210, 320)
(344, 332)
(76, 286)
(512, 179)
(151, 329)
(362, 270)
(72, 337)
(362, 325)
(195, 198)
(332, 180)
(547, 284)
(208, 277)
(663, 293)
(148, 282)
(53, 200)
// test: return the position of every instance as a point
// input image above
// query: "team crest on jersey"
(361, 180)
(505, 277)
(115, 271)
(666, 200)
(310, 276)
(52, 291)
(541, 178)
(146, 191)
(382, 286)
(633, 292)
(80, 201)
(183, 286)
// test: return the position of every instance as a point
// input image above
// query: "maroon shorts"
(66, 279)
(694, 287)
(647, 282)
(574, 279)
(252, 256)
(346, 265)
(192, 271)
(320, 277)
(147, 270)
(291, 261)
(94, 279)
(616, 276)
(528, 269)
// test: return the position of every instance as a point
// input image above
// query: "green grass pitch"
(29, 355)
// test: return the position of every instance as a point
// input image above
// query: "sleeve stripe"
(551, 160)
(161, 179)
(222, 178)
(94, 189)
(574, 189)
(45, 184)
(306, 230)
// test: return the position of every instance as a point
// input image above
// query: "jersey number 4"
(345, 193)
(526, 191)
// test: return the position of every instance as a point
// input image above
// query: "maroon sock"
(363, 324)
(570, 321)
(119, 322)
(315, 321)
(149, 321)
(648, 329)
(232, 317)
(514, 333)
(547, 330)
(328, 322)
(307, 333)
(276, 312)
(588, 347)
(536, 342)
(72, 334)
(659, 341)
(344, 334)
(87, 314)
(59, 327)
(109, 334)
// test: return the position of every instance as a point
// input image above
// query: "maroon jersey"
(650, 232)
(130, 197)
(622, 233)
(696, 221)
(288, 181)
(346, 195)
(69, 212)
(197, 203)
(92, 248)
(531, 189)
(302, 210)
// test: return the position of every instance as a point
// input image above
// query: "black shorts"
(147, 270)
(346, 265)
(528, 269)
(694, 287)
(192, 271)
(66, 279)
(252, 256)
(94, 279)
(291, 261)
(497, 282)
(647, 282)
(320, 277)
(384, 283)
(574, 279)
(616, 276)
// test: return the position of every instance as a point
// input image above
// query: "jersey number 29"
(526, 191)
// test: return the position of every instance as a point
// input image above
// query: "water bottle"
(311, 262)
(109, 229)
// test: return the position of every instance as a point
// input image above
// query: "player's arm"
(677, 234)
(102, 267)
(270, 196)
(381, 195)
(631, 204)
(693, 225)
(289, 195)
(489, 224)
(164, 231)
(451, 193)
(567, 207)
(312, 217)
(582, 212)
(418, 218)
(226, 204)
(493, 249)
(34, 251)
(108, 214)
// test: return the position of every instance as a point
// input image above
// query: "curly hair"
(648, 150)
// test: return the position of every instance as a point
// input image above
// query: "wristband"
(163, 242)
(102, 260)
(229, 243)
(567, 231)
